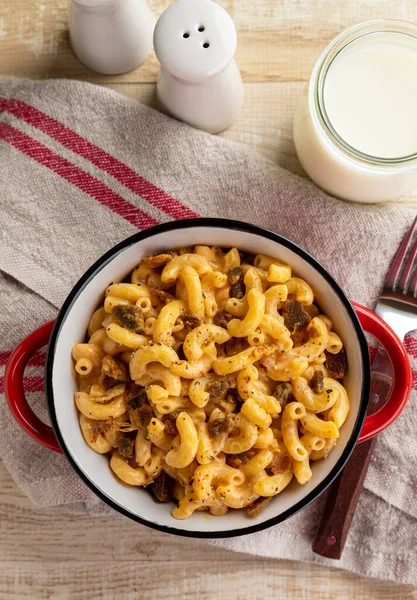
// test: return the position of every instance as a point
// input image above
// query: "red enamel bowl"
(350, 319)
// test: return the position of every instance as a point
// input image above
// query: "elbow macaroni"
(183, 454)
(192, 376)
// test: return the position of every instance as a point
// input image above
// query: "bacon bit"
(312, 333)
(283, 393)
(165, 297)
(300, 336)
(233, 397)
(279, 464)
(125, 447)
(235, 345)
(113, 369)
(136, 396)
(140, 412)
(180, 352)
(294, 314)
(123, 426)
(238, 460)
(222, 318)
(218, 388)
(170, 423)
(142, 416)
(257, 507)
(158, 260)
(316, 382)
(163, 487)
(336, 364)
(247, 258)
(113, 392)
(221, 351)
(238, 290)
(191, 321)
(312, 310)
(234, 275)
(129, 316)
(100, 427)
(219, 426)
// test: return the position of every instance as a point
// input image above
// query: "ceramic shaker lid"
(195, 39)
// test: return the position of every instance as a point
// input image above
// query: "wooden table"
(53, 554)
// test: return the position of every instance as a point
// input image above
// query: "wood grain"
(51, 553)
(204, 580)
(345, 491)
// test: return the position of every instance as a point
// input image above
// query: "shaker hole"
(206, 45)
(201, 28)
(186, 35)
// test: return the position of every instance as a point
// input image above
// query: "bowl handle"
(14, 391)
(374, 424)
(401, 373)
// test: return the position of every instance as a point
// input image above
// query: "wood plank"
(277, 41)
(50, 553)
(57, 535)
(205, 580)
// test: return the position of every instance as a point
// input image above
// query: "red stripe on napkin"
(410, 344)
(33, 384)
(4, 357)
(37, 360)
(98, 157)
(30, 384)
(78, 177)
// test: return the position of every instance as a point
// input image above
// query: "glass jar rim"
(316, 91)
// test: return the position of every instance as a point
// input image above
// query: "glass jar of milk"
(355, 127)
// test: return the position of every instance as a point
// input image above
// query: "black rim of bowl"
(225, 224)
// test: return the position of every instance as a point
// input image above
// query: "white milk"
(357, 124)
(370, 95)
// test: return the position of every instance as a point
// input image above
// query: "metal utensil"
(397, 305)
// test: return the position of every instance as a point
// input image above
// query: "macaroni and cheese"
(211, 377)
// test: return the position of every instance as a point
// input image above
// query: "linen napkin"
(81, 168)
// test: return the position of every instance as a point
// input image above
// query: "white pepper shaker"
(200, 83)
(111, 36)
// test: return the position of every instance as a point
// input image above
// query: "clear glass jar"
(334, 164)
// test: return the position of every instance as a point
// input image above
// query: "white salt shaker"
(200, 83)
(111, 36)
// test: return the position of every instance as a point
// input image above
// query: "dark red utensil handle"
(15, 394)
(344, 493)
(341, 503)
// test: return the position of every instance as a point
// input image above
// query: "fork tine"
(397, 263)
(402, 282)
